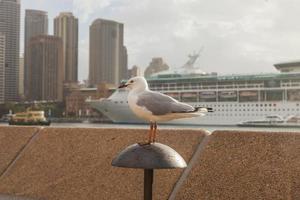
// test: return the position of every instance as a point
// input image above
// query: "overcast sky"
(237, 36)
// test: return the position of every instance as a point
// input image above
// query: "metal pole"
(148, 182)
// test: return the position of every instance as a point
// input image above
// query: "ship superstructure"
(234, 98)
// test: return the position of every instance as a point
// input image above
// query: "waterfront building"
(36, 23)
(155, 66)
(46, 68)
(10, 27)
(134, 71)
(2, 67)
(66, 27)
(75, 99)
(108, 55)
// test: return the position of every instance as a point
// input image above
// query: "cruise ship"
(234, 98)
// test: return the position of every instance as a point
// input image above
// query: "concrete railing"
(75, 163)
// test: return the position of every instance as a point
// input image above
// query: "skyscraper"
(21, 77)
(36, 23)
(123, 66)
(10, 27)
(66, 27)
(108, 55)
(2, 67)
(46, 72)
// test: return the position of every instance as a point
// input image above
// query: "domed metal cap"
(152, 156)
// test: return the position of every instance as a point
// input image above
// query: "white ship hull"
(226, 113)
(234, 98)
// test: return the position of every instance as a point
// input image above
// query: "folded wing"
(161, 104)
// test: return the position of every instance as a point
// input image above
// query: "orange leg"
(150, 133)
(149, 136)
(154, 132)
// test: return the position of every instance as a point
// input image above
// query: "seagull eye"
(131, 81)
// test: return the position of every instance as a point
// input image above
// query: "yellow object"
(29, 118)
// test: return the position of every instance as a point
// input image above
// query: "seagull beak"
(123, 85)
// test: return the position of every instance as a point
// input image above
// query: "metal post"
(149, 157)
(148, 183)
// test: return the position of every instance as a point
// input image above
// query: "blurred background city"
(59, 56)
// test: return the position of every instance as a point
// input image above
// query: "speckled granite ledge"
(74, 163)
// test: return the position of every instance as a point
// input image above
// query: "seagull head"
(136, 83)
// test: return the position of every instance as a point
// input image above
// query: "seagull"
(156, 107)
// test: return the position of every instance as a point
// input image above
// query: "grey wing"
(161, 104)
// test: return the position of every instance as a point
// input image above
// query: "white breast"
(141, 112)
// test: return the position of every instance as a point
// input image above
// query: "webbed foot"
(144, 143)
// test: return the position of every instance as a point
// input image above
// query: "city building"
(45, 68)
(21, 78)
(108, 55)
(66, 27)
(124, 64)
(75, 100)
(2, 67)
(36, 23)
(155, 66)
(134, 71)
(10, 27)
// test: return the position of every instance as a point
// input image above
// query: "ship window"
(270, 104)
(297, 104)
